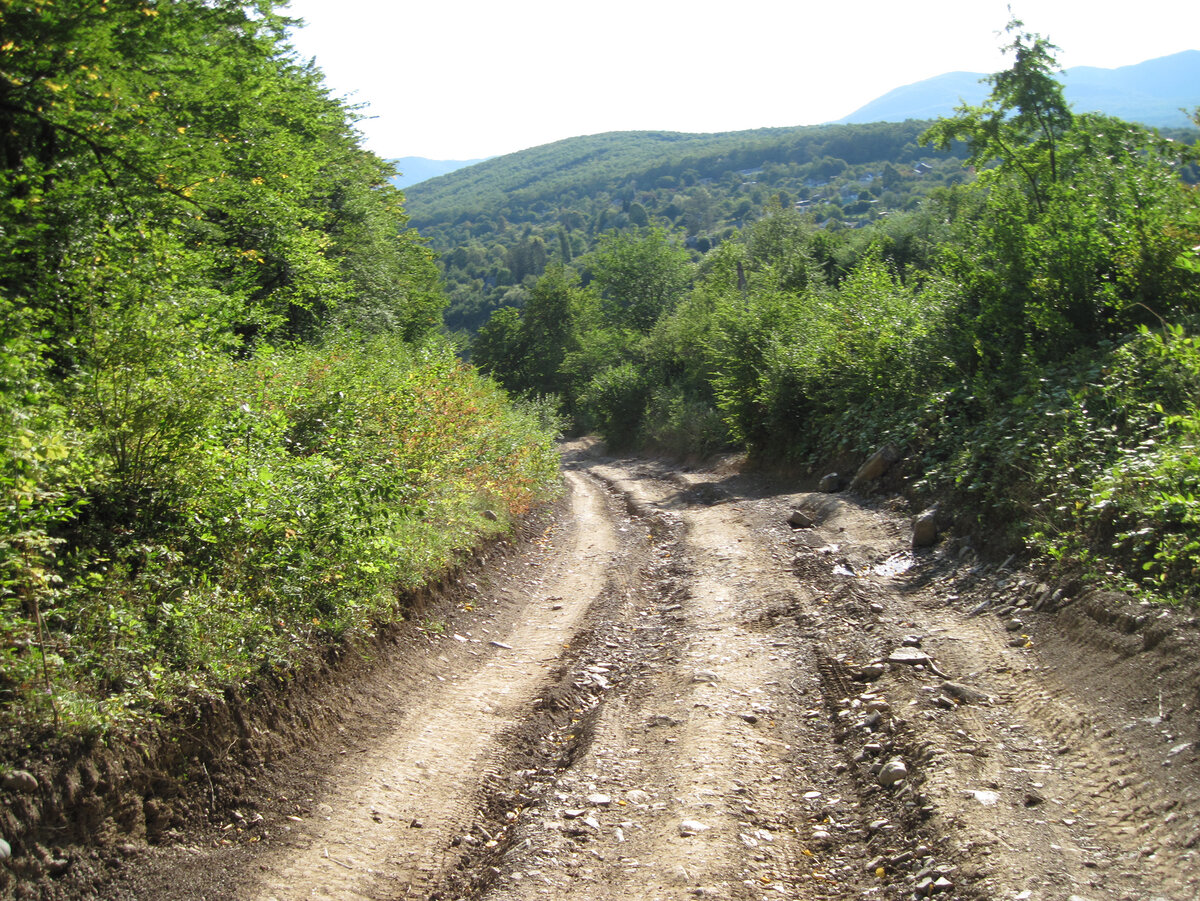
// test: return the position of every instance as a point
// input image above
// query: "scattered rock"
(822, 838)
(877, 464)
(800, 520)
(599, 800)
(963, 693)
(692, 827)
(870, 672)
(749, 718)
(830, 483)
(490, 515)
(5, 850)
(893, 771)
(637, 796)
(1014, 625)
(663, 720)
(500, 644)
(20, 781)
(910, 656)
(705, 675)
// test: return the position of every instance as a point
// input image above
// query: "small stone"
(944, 702)
(662, 720)
(57, 866)
(500, 644)
(490, 515)
(20, 781)
(941, 884)
(870, 672)
(963, 693)
(591, 822)
(573, 813)
(830, 483)
(599, 800)
(5, 850)
(800, 520)
(692, 827)
(416, 824)
(822, 838)
(893, 771)
(706, 675)
(1014, 625)
(910, 656)
(618, 833)
(749, 718)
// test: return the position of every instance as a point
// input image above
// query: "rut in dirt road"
(678, 695)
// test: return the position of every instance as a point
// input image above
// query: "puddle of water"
(895, 565)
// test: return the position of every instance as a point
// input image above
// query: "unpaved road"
(665, 697)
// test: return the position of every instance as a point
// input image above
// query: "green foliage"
(640, 276)
(320, 481)
(228, 433)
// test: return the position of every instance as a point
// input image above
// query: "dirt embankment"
(675, 694)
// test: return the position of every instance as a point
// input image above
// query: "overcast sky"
(466, 79)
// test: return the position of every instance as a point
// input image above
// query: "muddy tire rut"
(675, 694)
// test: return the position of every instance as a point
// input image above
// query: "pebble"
(705, 675)
(599, 800)
(870, 672)
(1014, 625)
(5, 850)
(893, 771)
(909, 655)
(964, 693)
(692, 827)
(637, 796)
(800, 520)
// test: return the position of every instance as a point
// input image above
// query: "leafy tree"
(640, 276)
(1020, 125)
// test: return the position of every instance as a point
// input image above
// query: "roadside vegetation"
(232, 433)
(1026, 334)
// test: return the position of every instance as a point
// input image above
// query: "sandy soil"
(676, 694)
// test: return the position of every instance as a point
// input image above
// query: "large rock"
(877, 464)
(925, 529)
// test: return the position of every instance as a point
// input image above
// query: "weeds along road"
(675, 694)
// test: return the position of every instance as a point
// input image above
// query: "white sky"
(465, 79)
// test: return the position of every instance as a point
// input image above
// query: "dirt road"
(676, 694)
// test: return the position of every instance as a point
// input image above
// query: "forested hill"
(496, 225)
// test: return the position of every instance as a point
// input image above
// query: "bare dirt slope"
(676, 695)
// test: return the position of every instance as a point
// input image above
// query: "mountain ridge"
(1154, 93)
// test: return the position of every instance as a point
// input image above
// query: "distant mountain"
(1152, 93)
(415, 169)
